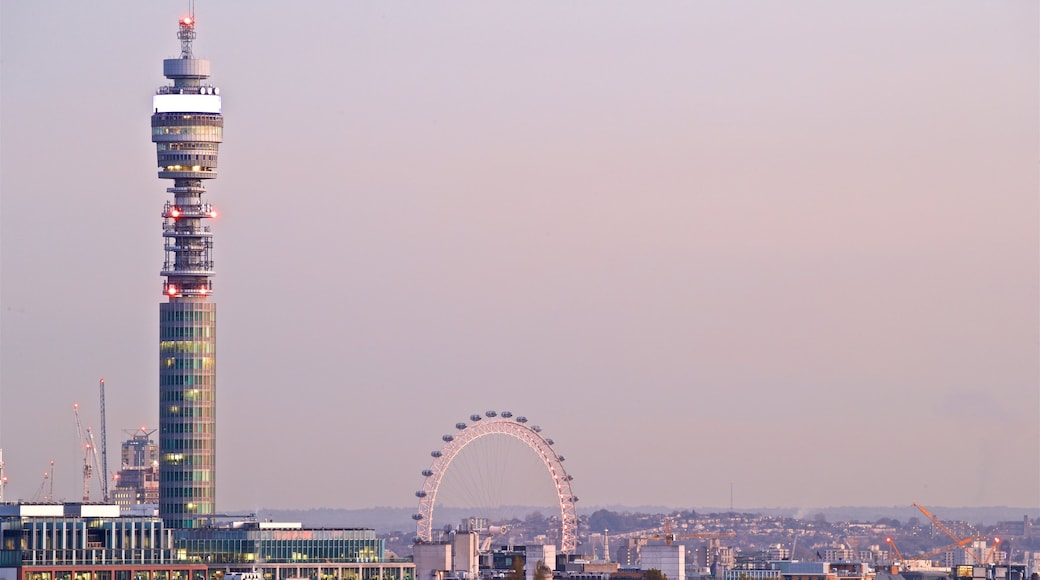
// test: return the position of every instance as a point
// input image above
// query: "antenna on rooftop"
(186, 33)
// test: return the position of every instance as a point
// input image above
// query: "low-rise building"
(97, 542)
(87, 542)
(288, 550)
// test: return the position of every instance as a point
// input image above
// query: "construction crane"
(48, 477)
(971, 551)
(954, 546)
(992, 552)
(491, 532)
(94, 455)
(3, 476)
(899, 557)
(853, 543)
(904, 563)
(84, 442)
(104, 447)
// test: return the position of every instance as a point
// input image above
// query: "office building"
(87, 542)
(137, 483)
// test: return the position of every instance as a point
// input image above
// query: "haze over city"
(784, 251)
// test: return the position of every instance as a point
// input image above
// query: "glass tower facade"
(187, 128)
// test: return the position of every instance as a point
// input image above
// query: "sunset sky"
(785, 248)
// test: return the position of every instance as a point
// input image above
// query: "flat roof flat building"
(87, 542)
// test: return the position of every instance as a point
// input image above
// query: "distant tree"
(606, 520)
(542, 572)
(536, 520)
(654, 574)
(820, 518)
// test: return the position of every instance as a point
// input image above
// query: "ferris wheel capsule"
(521, 419)
(536, 429)
(436, 453)
(420, 493)
(550, 442)
(427, 472)
(491, 414)
(460, 426)
(447, 438)
(475, 417)
(506, 414)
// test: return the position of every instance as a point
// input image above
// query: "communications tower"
(187, 128)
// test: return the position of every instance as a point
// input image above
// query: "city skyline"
(744, 248)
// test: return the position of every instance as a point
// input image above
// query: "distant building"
(627, 552)
(847, 554)
(778, 552)
(1016, 528)
(464, 556)
(137, 482)
(750, 575)
(788, 570)
(969, 555)
(669, 559)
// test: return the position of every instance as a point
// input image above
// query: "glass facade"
(78, 546)
(292, 553)
(92, 548)
(252, 546)
(187, 412)
(114, 572)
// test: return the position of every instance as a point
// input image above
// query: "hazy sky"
(787, 245)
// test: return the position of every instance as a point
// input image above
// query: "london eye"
(501, 428)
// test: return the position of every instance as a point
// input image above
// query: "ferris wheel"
(493, 425)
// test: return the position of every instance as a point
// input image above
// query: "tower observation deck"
(187, 129)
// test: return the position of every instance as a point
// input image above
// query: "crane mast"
(48, 478)
(104, 447)
(88, 470)
(3, 476)
(94, 455)
(899, 556)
